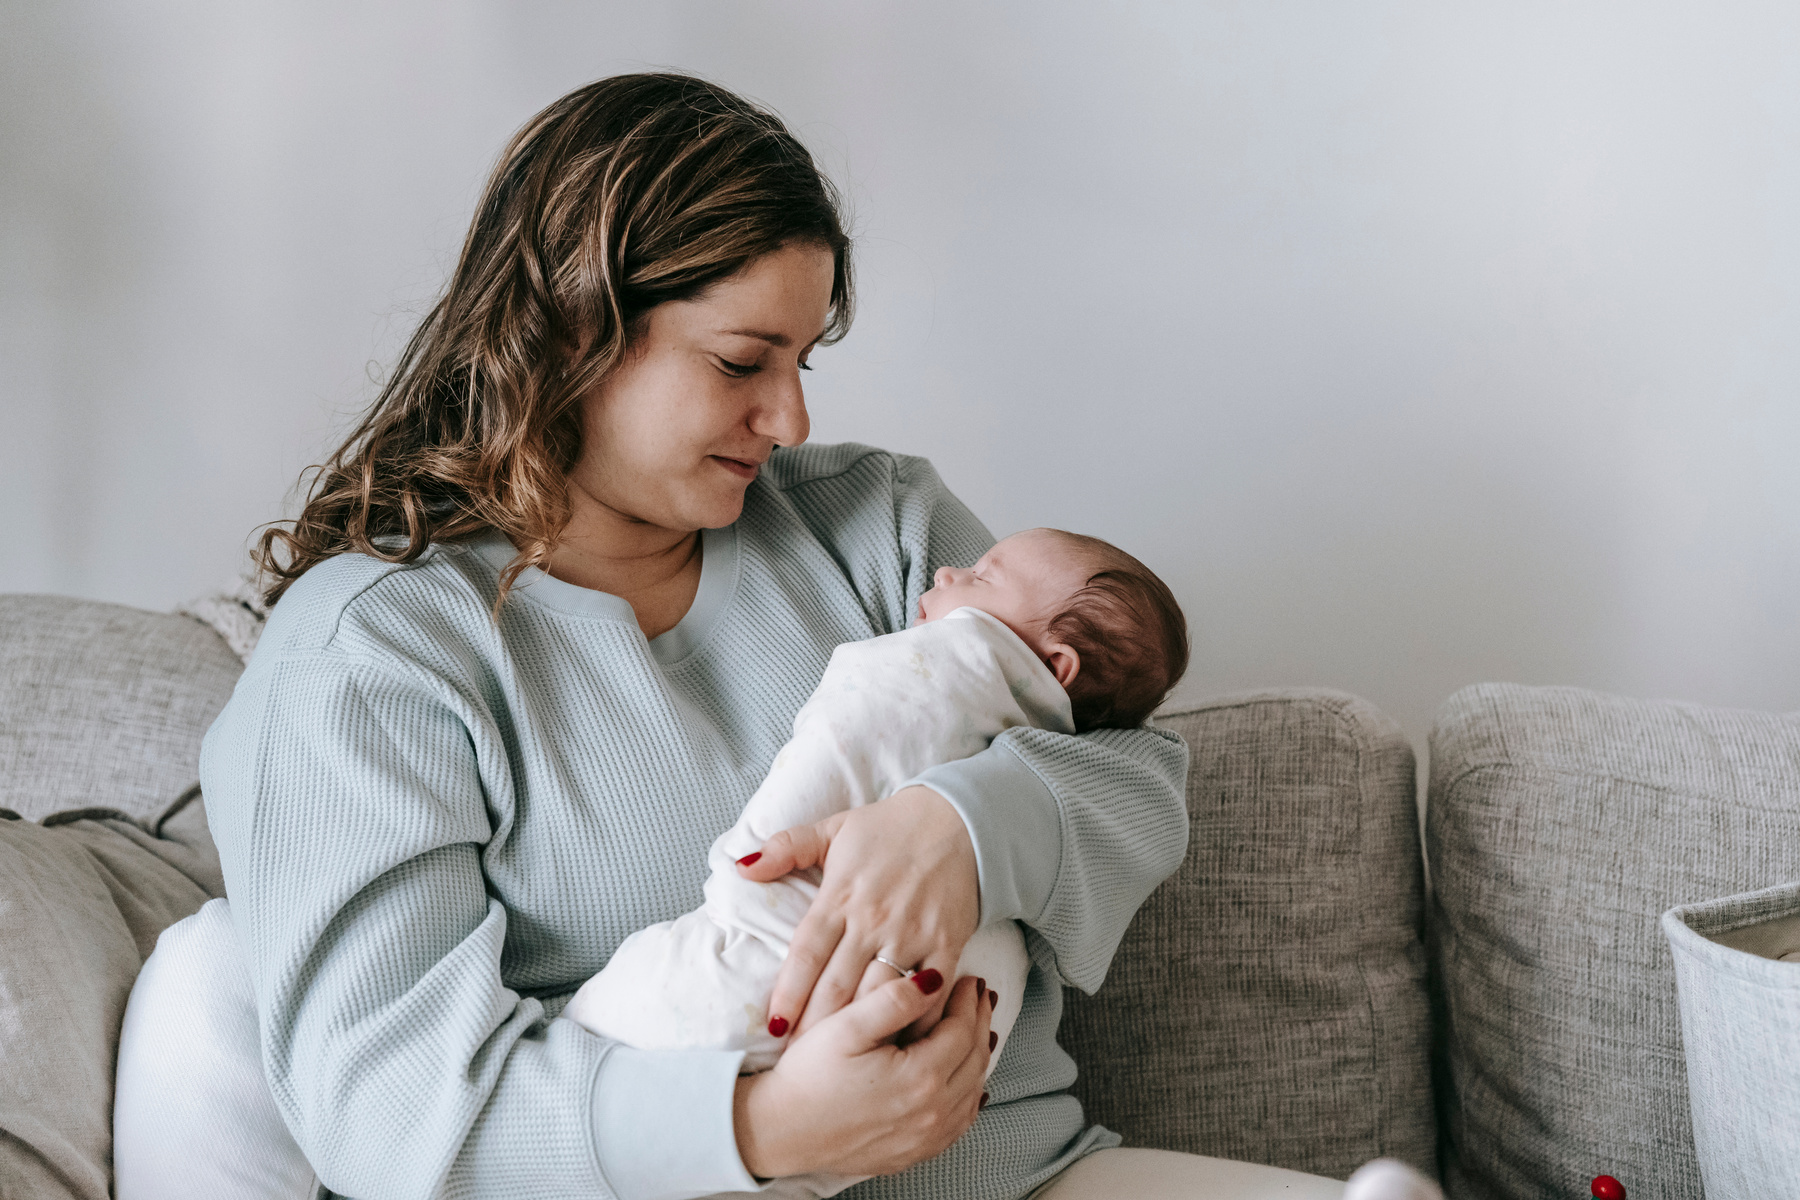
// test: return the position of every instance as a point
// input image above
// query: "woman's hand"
(899, 881)
(845, 1099)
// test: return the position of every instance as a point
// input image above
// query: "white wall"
(1417, 344)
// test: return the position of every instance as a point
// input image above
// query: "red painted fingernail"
(929, 980)
(993, 1040)
(749, 858)
(995, 997)
(980, 986)
(984, 1100)
(777, 1026)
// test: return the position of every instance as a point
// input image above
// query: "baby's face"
(1024, 581)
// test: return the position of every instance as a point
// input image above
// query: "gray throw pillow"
(1268, 1004)
(99, 702)
(82, 900)
(1561, 824)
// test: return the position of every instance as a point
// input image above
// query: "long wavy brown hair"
(628, 193)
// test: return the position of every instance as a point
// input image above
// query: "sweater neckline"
(718, 584)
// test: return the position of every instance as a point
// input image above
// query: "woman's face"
(676, 433)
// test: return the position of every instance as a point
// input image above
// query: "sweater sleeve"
(1071, 832)
(352, 821)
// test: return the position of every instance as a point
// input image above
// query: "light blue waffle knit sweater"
(435, 827)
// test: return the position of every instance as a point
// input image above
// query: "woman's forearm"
(760, 1144)
(1072, 833)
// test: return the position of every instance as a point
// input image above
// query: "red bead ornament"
(1605, 1187)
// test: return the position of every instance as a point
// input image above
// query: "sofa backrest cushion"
(103, 706)
(1561, 823)
(1268, 1003)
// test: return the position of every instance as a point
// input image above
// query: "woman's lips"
(742, 468)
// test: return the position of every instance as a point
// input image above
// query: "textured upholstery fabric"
(1269, 1003)
(82, 901)
(103, 706)
(1737, 967)
(1561, 823)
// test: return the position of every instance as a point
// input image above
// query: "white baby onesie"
(887, 709)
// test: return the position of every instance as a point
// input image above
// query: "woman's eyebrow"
(762, 335)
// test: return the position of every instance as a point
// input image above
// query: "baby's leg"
(692, 982)
(997, 954)
(703, 979)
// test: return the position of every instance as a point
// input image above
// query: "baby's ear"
(1063, 661)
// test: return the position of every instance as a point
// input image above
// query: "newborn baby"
(1050, 629)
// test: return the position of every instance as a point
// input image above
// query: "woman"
(542, 625)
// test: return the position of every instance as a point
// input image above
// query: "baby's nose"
(941, 577)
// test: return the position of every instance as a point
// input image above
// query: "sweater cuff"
(663, 1124)
(1014, 824)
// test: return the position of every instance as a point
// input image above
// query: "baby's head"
(1109, 630)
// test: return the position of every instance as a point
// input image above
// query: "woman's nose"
(781, 417)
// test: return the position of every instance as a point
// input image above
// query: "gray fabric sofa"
(1288, 997)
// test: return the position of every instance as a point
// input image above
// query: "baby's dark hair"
(1129, 632)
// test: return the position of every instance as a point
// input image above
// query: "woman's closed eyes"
(738, 370)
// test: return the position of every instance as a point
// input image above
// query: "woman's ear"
(1063, 662)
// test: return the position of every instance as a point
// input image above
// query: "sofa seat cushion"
(82, 901)
(1123, 1173)
(102, 705)
(1268, 1003)
(1561, 824)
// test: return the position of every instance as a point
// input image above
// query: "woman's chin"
(718, 511)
